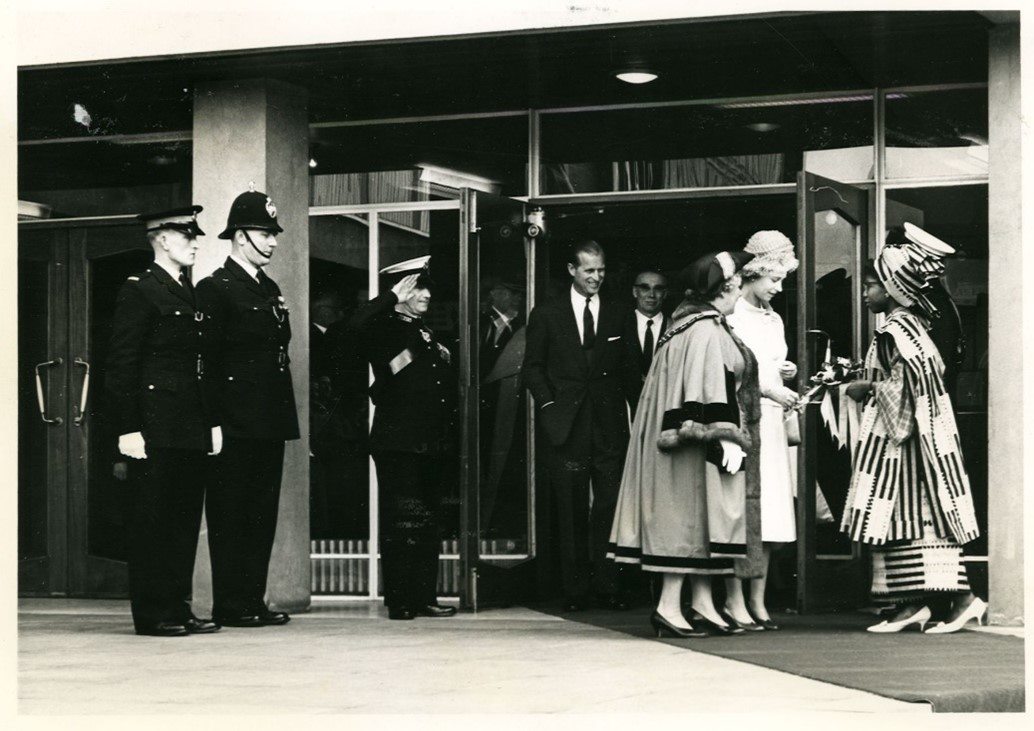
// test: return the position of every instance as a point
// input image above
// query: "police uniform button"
(151, 386)
(229, 378)
(176, 312)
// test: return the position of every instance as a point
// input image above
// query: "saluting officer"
(157, 380)
(256, 404)
(411, 439)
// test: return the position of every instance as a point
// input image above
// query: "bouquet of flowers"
(825, 383)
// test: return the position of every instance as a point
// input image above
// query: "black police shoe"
(197, 626)
(400, 613)
(435, 610)
(268, 616)
(163, 629)
(248, 619)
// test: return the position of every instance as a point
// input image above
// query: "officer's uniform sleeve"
(366, 315)
(129, 331)
(212, 303)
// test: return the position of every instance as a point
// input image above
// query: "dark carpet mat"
(962, 672)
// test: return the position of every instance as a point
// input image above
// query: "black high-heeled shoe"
(767, 624)
(661, 625)
(733, 622)
(713, 628)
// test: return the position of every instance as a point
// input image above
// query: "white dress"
(761, 329)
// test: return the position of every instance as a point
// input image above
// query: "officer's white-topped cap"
(409, 266)
(178, 219)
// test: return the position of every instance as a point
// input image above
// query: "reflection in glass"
(500, 333)
(418, 161)
(937, 133)
(338, 406)
(111, 477)
(742, 143)
(836, 308)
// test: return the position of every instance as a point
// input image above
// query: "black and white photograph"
(582, 359)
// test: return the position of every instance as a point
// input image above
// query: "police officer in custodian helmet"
(255, 399)
(412, 437)
(158, 381)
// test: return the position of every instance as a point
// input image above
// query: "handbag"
(792, 422)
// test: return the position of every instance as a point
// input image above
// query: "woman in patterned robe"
(910, 498)
(689, 499)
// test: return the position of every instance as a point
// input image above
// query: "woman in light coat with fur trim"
(689, 492)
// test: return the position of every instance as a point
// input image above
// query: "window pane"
(937, 134)
(744, 143)
(104, 178)
(418, 161)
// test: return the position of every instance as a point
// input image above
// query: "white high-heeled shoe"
(977, 610)
(921, 617)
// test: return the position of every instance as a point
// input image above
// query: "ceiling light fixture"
(635, 76)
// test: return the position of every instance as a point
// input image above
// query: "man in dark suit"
(412, 437)
(503, 317)
(644, 326)
(577, 368)
(255, 397)
(157, 378)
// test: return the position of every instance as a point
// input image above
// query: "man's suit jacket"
(635, 348)
(561, 375)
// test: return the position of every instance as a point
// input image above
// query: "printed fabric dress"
(910, 497)
(678, 511)
(761, 329)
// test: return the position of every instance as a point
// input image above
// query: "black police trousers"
(410, 509)
(241, 509)
(165, 505)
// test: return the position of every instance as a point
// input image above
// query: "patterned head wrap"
(906, 269)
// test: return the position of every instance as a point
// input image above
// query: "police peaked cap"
(252, 209)
(183, 220)
(707, 272)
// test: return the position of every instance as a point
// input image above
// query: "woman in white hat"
(761, 329)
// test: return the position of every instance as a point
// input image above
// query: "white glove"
(217, 441)
(132, 445)
(732, 455)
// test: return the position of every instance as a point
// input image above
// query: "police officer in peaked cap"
(255, 400)
(412, 437)
(157, 377)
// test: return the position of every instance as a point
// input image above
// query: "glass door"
(497, 546)
(73, 485)
(834, 234)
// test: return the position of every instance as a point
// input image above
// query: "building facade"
(832, 127)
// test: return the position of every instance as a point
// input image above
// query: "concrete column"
(1005, 409)
(258, 131)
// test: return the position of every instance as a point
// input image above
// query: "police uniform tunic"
(158, 382)
(412, 437)
(255, 400)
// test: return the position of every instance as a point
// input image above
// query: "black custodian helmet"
(253, 209)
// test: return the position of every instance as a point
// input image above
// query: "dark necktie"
(265, 282)
(588, 326)
(648, 346)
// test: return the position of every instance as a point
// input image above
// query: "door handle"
(86, 390)
(39, 391)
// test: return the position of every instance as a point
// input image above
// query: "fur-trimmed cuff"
(668, 440)
(691, 431)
